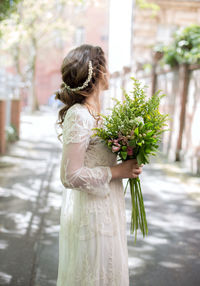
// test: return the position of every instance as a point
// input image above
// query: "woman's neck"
(94, 102)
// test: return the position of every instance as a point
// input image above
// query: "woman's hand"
(130, 169)
(127, 169)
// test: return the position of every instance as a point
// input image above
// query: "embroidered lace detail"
(92, 241)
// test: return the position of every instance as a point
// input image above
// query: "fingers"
(134, 176)
(133, 162)
(138, 166)
(135, 166)
(138, 171)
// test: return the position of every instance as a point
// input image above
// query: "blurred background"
(156, 41)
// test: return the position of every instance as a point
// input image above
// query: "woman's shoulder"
(77, 107)
(78, 112)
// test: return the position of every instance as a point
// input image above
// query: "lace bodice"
(86, 160)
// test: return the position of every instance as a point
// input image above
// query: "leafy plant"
(143, 4)
(7, 7)
(185, 47)
(11, 133)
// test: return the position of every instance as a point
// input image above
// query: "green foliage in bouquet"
(133, 131)
(136, 121)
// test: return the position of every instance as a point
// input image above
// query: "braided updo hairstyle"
(74, 72)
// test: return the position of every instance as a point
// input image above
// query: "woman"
(92, 241)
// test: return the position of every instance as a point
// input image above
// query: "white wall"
(119, 50)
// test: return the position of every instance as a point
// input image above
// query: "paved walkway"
(170, 254)
(30, 204)
(30, 199)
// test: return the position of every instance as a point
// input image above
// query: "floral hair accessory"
(90, 70)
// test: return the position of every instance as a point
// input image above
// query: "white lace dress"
(92, 240)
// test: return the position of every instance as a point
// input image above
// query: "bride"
(92, 240)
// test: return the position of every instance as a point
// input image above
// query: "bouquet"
(132, 131)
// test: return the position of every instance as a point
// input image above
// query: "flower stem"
(138, 211)
(145, 220)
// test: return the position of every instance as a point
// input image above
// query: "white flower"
(138, 120)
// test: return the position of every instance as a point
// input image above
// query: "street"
(30, 200)
(170, 254)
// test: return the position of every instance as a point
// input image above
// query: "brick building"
(90, 25)
(149, 30)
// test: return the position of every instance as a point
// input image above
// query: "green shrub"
(11, 133)
(185, 47)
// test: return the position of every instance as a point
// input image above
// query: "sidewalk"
(175, 169)
(30, 192)
(170, 254)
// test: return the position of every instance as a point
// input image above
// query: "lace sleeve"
(76, 136)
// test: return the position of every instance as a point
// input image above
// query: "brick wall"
(150, 30)
(2, 126)
(15, 114)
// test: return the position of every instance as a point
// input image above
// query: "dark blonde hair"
(74, 72)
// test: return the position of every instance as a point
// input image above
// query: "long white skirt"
(93, 241)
